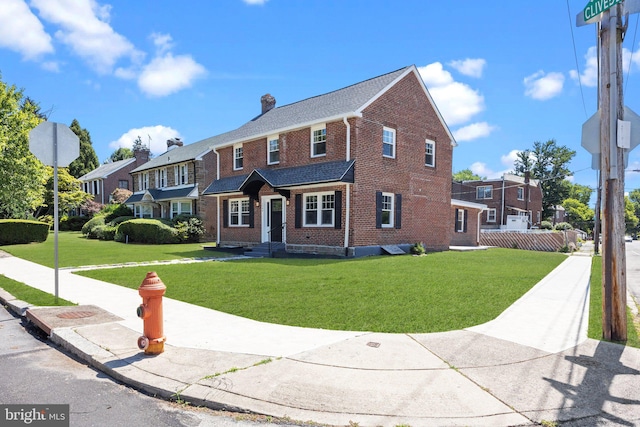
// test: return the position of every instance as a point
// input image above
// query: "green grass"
(31, 295)
(75, 250)
(595, 308)
(439, 292)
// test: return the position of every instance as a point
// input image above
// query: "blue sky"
(503, 76)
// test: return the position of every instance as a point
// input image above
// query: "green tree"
(630, 218)
(578, 191)
(579, 214)
(548, 163)
(22, 175)
(467, 175)
(69, 194)
(634, 198)
(120, 154)
(88, 160)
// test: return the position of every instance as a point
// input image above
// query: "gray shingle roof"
(159, 194)
(317, 109)
(107, 169)
(316, 173)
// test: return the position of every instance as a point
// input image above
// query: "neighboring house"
(506, 198)
(343, 173)
(168, 185)
(559, 214)
(101, 181)
(466, 222)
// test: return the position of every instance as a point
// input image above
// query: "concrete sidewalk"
(489, 375)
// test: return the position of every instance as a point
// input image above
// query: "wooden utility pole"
(614, 319)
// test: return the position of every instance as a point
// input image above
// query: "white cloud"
(169, 74)
(51, 66)
(22, 31)
(543, 86)
(158, 134)
(473, 131)
(589, 76)
(481, 169)
(252, 2)
(457, 101)
(85, 28)
(163, 42)
(509, 159)
(469, 67)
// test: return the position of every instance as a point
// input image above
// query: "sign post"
(54, 144)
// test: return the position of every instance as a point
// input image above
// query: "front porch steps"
(265, 249)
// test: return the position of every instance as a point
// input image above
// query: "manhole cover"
(373, 344)
(76, 314)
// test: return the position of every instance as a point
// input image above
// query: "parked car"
(628, 239)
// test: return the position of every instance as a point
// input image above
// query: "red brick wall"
(469, 237)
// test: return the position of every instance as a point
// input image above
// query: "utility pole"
(612, 163)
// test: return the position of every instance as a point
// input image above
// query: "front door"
(275, 223)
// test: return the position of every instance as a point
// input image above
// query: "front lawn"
(75, 250)
(438, 292)
(31, 295)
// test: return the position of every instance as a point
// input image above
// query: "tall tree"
(467, 175)
(88, 160)
(120, 154)
(579, 192)
(579, 214)
(69, 194)
(548, 163)
(634, 198)
(630, 219)
(22, 176)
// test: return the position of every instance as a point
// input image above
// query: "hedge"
(17, 231)
(146, 231)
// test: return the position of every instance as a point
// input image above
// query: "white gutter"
(217, 197)
(502, 210)
(347, 216)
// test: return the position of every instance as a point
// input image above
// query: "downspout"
(347, 215)
(478, 227)
(502, 210)
(217, 198)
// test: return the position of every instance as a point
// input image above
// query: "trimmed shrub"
(73, 223)
(105, 232)
(89, 228)
(115, 210)
(17, 231)
(563, 226)
(189, 227)
(546, 225)
(116, 221)
(146, 231)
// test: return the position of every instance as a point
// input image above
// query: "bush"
(189, 227)
(563, 226)
(89, 228)
(418, 249)
(115, 210)
(546, 225)
(72, 223)
(47, 219)
(16, 231)
(120, 219)
(146, 231)
(105, 232)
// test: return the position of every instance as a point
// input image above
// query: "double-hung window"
(491, 215)
(430, 153)
(273, 150)
(181, 173)
(123, 183)
(161, 178)
(319, 209)
(461, 221)
(484, 192)
(238, 157)
(319, 141)
(143, 181)
(387, 210)
(520, 193)
(178, 208)
(388, 142)
(239, 212)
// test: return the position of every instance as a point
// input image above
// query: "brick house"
(506, 198)
(101, 181)
(466, 222)
(344, 173)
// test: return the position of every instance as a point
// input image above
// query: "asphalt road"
(633, 269)
(34, 372)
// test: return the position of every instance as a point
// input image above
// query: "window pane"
(386, 217)
(327, 217)
(311, 217)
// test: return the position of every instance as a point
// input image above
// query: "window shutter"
(465, 221)
(378, 209)
(338, 211)
(251, 211)
(455, 220)
(398, 214)
(298, 219)
(225, 213)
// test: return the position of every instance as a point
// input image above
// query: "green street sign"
(596, 7)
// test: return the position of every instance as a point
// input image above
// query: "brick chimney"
(173, 143)
(141, 153)
(268, 102)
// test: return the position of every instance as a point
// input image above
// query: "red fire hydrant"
(150, 311)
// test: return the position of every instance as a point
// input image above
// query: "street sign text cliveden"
(596, 7)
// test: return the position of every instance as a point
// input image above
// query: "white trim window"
(181, 207)
(143, 181)
(387, 220)
(273, 150)
(161, 178)
(319, 141)
(238, 157)
(491, 215)
(181, 173)
(143, 211)
(319, 209)
(239, 212)
(484, 192)
(430, 153)
(460, 220)
(388, 142)
(520, 193)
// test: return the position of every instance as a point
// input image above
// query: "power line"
(575, 55)
(626, 82)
